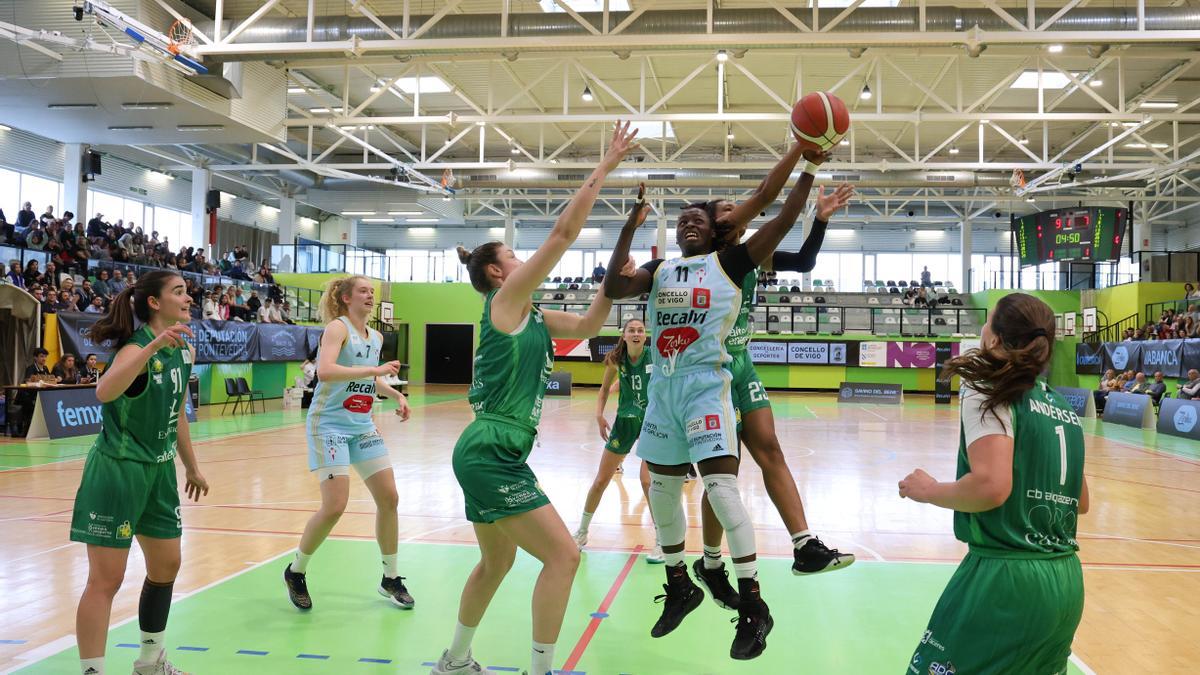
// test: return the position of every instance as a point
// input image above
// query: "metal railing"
(1113, 332)
(1103, 275)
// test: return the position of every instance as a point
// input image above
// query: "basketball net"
(179, 37)
(1018, 179)
(447, 178)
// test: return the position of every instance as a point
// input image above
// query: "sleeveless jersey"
(1038, 519)
(693, 307)
(142, 428)
(739, 337)
(344, 408)
(634, 377)
(511, 371)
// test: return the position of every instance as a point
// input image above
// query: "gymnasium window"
(41, 193)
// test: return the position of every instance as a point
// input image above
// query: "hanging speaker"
(213, 200)
(91, 165)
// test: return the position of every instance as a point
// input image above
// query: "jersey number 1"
(1062, 449)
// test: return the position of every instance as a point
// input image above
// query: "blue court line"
(366, 660)
(252, 652)
(13, 642)
(596, 615)
(192, 649)
(503, 669)
(429, 663)
(319, 657)
(129, 646)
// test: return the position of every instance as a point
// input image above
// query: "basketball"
(820, 120)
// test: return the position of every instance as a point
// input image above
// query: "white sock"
(800, 538)
(300, 563)
(391, 568)
(585, 521)
(460, 648)
(746, 570)
(152, 646)
(92, 666)
(543, 658)
(673, 559)
(712, 557)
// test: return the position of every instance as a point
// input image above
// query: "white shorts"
(689, 418)
(332, 455)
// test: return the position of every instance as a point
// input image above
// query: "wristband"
(811, 168)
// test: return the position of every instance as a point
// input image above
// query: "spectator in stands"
(96, 228)
(598, 273)
(265, 312)
(25, 218)
(48, 216)
(922, 298)
(210, 306)
(102, 287)
(1106, 384)
(14, 276)
(236, 272)
(1140, 385)
(1158, 388)
(285, 312)
(39, 295)
(96, 307)
(38, 371)
(117, 284)
(926, 278)
(1127, 380)
(130, 278)
(91, 370)
(35, 240)
(65, 303)
(32, 274)
(1191, 388)
(1190, 292)
(85, 294)
(65, 370)
(196, 265)
(238, 307)
(240, 254)
(223, 309)
(910, 296)
(8, 232)
(253, 304)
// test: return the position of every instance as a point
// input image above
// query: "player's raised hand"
(618, 146)
(387, 369)
(827, 205)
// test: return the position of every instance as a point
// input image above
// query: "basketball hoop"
(179, 37)
(1018, 179)
(448, 179)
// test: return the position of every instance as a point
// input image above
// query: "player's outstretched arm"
(618, 286)
(766, 192)
(510, 302)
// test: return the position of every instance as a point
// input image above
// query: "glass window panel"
(10, 189)
(850, 277)
(41, 193)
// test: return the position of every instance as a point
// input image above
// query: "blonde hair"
(332, 306)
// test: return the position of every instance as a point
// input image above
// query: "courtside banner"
(225, 341)
(766, 351)
(1122, 356)
(872, 354)
(281, 342)
(1081, 400)
(1179, 418)
(1088, 359)
(863, 392)
(601, 345)
(73, 330)
(810, 353)
(1131, 410)
(1164, 355)
(559, 384)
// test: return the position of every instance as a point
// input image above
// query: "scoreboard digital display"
(1080, 234)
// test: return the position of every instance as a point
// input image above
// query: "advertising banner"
(73, 330)
(1180, 418)
(75, 411)
(1121, 356)
(1164, 355)
(225, 341)
(1089, 358)
(281, 342)
(765, 351)
(559, 384)
(862, 392)
(1081, 400)
(809, 353)
(872, 354)
(1131, 410)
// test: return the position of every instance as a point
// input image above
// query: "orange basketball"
(820, 120)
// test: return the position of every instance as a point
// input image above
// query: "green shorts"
(749, 394)
(489, 463)
(119, 498)
(1003, 615)
(624, 433)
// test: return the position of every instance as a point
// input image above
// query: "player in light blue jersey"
(694, 304)
(342, 434)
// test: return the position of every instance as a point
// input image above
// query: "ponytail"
(1004, 370)
(132, 303)
(477, 262)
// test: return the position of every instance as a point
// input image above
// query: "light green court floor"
(864, 620)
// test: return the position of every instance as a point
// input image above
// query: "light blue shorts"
(333, 454)
(689, 418)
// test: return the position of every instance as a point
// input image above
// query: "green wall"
(1118, 302)
(420, 304)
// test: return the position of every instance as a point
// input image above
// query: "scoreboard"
(1080, 234)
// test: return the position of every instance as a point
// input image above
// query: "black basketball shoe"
(297, 588)
(681, 598)
(753, 621)
(716, 582)
(394, 590)
(815, 557)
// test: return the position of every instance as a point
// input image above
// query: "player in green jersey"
(1015, 601)
(504, 501)
(629, 363)
(128, 488)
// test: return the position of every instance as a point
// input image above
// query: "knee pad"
(666, 505)
(726, 503)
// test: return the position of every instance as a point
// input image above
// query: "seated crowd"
(1136, 383)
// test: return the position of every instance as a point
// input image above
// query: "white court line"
(43, 651)
(1081, 665)
(875, 414)
(34, 555)
(868, 549)
(1100, 535)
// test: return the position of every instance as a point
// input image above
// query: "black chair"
(903, 284)
(890, 283)
(245, 390)
(231, 394)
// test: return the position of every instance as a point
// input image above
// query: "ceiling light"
(656, 130)
(480, 123)
(131, 127)
(422, 230)
(405, 213)
(71, 106)
(722, 56)
(422, 220)
(844, 141)
(376, 220)
(429, 84)
(515, 150)
(199, 127)
(1159, 105)
(4, 127)
(324, 110)
(865, 93)
(585, 5)
(1142, 146)
(147, 106)
(954, 149)
(587, 94)
(1023, 139)
(230, 195)
(446, 198)
(358, 213)
(272, 209)
(296, 90)
(729, 134)
(1096, 82)
(1055, 49)
(1029, 199)
(1055, 80)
